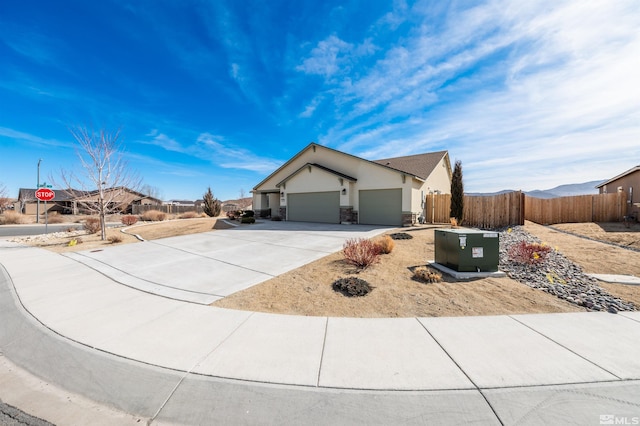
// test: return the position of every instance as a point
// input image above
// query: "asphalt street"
(34, 229)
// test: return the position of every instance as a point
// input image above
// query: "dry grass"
(12, 218)
(153, 216)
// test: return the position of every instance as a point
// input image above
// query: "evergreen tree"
(457, 193)
(211, 206)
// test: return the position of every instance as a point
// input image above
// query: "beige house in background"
(625, 182)
(321, 184)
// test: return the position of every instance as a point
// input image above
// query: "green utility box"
(467, 250)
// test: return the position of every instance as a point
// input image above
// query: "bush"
(234, 214)
(360, 252)
(210, 204)
(385, 244)
(248, 213)
(129, 219)
(352, 286)
(153, 216)
(54, 217)
(276, 218)
(528, 253)
(113, 239)
(249, 219)
(427, 275)
(188, 215)
(10, 217)
(92, 225)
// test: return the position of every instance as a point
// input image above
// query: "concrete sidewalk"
(555, 368)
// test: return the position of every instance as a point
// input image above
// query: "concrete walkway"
(196, 364)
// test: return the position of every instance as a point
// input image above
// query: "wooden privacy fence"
(513, 208)
(486, 212)
(579, 208)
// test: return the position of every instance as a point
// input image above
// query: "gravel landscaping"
(557, 276)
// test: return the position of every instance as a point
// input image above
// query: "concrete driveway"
(202, 268)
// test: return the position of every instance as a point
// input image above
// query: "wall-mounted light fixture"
(344, 191)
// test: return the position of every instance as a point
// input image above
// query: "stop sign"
(45, 194)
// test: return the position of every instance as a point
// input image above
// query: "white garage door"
(314, 207)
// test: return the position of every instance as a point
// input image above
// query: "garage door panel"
(314, 207)
(380, 207)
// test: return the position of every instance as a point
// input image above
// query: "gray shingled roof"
(420, 165)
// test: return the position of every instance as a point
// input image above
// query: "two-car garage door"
(314, 207)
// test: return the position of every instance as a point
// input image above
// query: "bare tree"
(4, 197)
(98, 188)
(244, 201)
(151, 191)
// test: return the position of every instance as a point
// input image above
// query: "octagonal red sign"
(45, 194)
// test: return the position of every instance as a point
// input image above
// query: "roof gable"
(326, 169)
(628, 172)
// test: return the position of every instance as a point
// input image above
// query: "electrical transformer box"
(467, 250)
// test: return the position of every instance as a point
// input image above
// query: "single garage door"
(314, 207)
(381, 207)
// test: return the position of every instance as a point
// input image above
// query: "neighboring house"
(626, 182)
(72, 201)
(321, 184)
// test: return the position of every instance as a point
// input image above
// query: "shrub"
(248, 213)
(360, 252)
(528, 253)
(427, 275)
(234, 214)
(276, 218)
(401, 236)
(153, 216)
(188, 215)
(210, 204)
(129, 219)
(352, 286)
(12, 218)
(113, 239)
(385, 244)
(54, 217)
(249, 219)
(91, 225)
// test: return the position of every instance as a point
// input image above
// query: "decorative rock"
(557, 275)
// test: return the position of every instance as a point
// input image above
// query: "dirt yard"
(308, 291)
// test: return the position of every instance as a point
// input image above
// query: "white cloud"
(520, 92)
(327, 58)
(33, 139)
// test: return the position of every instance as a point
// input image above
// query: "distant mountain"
(568, 190)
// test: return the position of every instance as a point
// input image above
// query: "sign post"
(45, 194)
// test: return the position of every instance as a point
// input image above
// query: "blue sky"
(527, 94)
